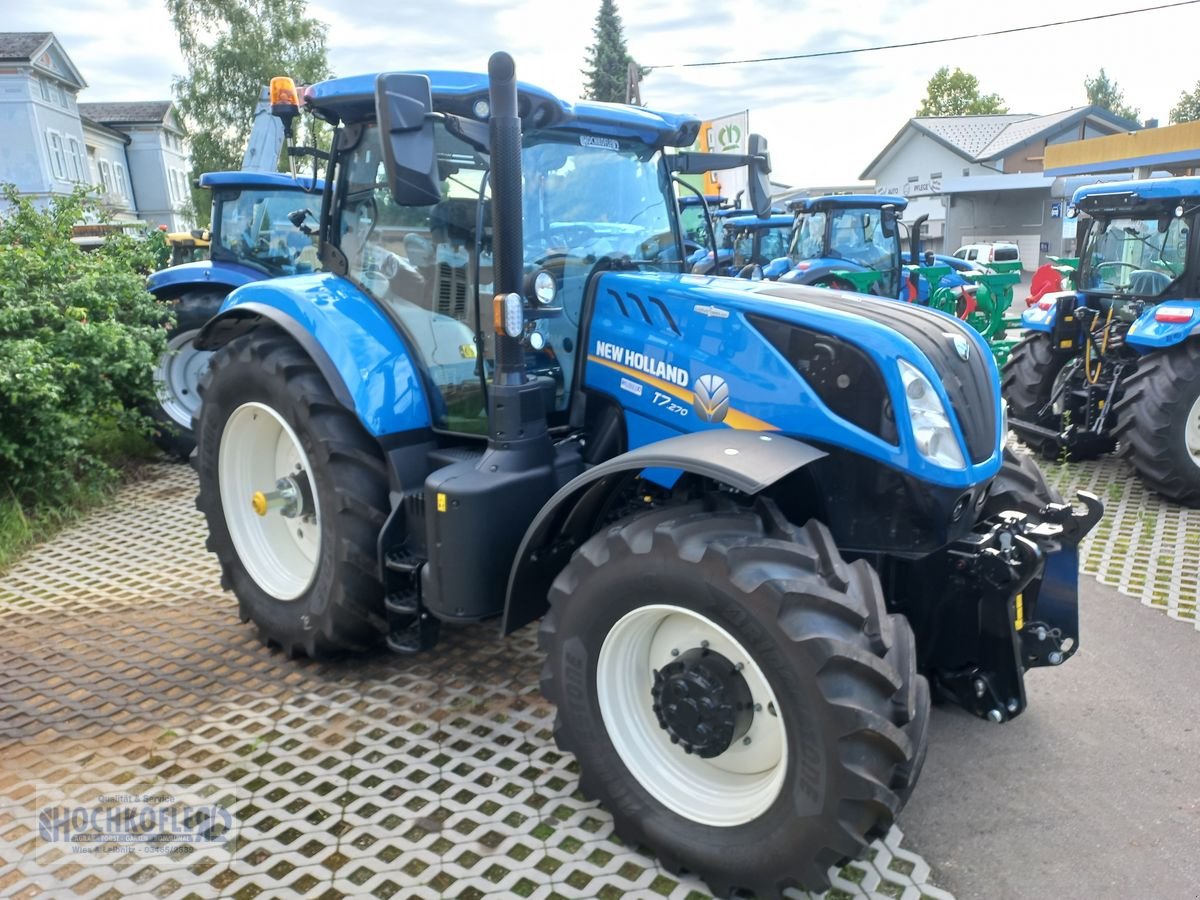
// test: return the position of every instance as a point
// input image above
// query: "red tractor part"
(1046, 280)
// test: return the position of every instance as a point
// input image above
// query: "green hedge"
(79, 336)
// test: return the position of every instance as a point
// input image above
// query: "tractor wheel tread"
(829, 620)
(1151, 422)
(348, 614)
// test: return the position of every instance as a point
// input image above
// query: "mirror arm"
(475, 133)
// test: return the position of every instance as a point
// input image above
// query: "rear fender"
(748, 461)
(201, 274)
(1149, 333)
(356, 346)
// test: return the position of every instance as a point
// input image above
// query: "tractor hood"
(690, 325)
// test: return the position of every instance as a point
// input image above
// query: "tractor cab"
(1136, 245)
(747, 241)
(252, 224)
(838, 239)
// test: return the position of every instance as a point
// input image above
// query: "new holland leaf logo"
(711, 398)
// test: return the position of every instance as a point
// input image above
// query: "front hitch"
(1009, 602)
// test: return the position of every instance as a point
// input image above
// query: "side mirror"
(760, 176)
(404, 107)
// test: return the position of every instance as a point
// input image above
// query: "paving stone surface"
(124, 670)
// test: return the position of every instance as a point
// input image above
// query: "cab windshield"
(253, 228)
(1140, 256)
(584, 199)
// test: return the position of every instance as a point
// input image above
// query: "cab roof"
(841, 201)
(278, 180)
(352, 99)
(753, 221)
(1131, 193)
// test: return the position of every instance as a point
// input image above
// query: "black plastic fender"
(225, 326)
(749, 461)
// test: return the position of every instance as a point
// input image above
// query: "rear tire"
(309, 583)
(1158, 422)
(179, 370)
(1027, 382)
(834, 765)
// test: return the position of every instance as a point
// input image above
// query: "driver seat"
(1147, 283)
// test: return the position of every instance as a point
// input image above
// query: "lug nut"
(1055, 658)
(1013, 706)
(980, 687)
(996, 716)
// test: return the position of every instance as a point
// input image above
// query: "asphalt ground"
(1094, 792)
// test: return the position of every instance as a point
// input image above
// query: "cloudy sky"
(825, 118)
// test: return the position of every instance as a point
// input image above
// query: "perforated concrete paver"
(123, 667)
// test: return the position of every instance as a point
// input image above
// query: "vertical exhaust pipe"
(507, 237)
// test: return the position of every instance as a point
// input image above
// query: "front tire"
(179, 371)
(1158, 422)
(295, 494)
(1028, 382)
(839, 715)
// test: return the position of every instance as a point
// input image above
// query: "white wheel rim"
(1191, 432)
(726, 790)
(177, 376)
(258, 448)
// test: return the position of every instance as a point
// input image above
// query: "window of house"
(58, 159)
(119, 180)
(45, 88)
(106, 176)
(75, 154)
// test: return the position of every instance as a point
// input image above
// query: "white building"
(979, 178)
(135, 153)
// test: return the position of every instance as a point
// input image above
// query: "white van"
(986, 254)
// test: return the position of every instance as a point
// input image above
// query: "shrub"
(79, 336)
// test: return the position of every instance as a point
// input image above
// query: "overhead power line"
(925, 43)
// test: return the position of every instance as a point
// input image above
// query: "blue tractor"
(842, 236)
(745, 244)
(1118, 359)
(252, 237)
(757, 521)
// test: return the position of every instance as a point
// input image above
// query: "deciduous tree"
(1188, 107)
(1107, 94)
(232, 48)
(957, 94)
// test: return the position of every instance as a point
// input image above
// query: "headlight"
(931, 426)
(543, 288)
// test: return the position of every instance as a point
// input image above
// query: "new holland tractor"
(746, 243)
(757, 521)
(1117, 360)
(853, 242)
(252, 237)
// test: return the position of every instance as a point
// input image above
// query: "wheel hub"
(702, 702)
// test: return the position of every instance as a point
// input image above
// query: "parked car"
(989, 253)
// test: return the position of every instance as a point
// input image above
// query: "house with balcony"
(135, 154)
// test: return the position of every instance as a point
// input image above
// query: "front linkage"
(998, 602)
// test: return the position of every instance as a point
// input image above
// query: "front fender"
(1043, 314)
(748, 461)
(357, 347)
(1148, 332)
(201, 274)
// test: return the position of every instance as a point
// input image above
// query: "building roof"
(982, 138)
(92, 125)
(152, 112)
(21, 45)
